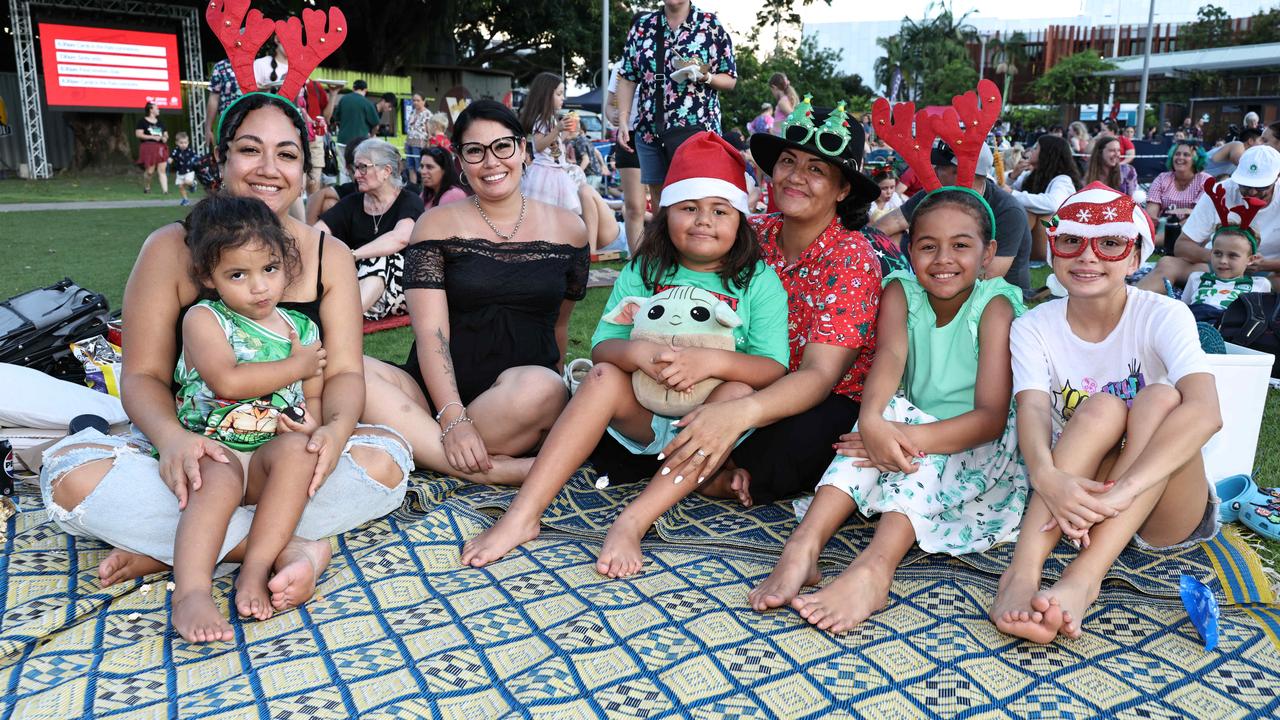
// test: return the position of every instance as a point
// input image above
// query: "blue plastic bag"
(1202, 607)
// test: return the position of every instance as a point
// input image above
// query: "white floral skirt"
(959, 503)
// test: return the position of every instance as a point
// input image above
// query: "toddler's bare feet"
(253, 599)
(120, 565)
(621, 555)
(859, 592)
(796, 568)
(1020, 611)
(298, 569)
(197, 619)
(506, 535)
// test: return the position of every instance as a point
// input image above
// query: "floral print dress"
(966, 501)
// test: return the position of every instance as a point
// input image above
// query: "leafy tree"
(779, 15)
(1264, 28)
(955, 78)
(927, 52)
(1073, 80)
(810, 68)
(1212, 28)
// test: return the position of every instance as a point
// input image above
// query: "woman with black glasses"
(490, 284)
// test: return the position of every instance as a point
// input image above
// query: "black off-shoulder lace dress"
(504, 299)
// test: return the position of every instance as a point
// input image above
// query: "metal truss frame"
(28, 68)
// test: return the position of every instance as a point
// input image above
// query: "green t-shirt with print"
(762, 307)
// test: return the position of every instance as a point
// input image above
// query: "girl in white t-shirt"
(1095, 375)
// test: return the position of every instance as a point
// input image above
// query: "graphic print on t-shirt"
(1066, 400)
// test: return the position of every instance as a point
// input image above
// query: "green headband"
(223, 115)
(991, 215)
(1237, 230)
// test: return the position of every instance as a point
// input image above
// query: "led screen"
(96, 67)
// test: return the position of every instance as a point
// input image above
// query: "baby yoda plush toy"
(677, 317)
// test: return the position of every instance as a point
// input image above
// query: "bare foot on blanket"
(796, 568)
(298, 569)
(197, 619)
(253, 599)
(1073, 597)
(506, 470)
(855, 595)
(506, 535)
(1020, 610)
(120, 565)
(740, 483)
(621, 555)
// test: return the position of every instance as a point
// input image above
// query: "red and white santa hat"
(1098, 211)
(705, 166)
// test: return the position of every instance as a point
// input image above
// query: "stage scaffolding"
(28, 69)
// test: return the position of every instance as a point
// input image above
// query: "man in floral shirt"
(223, 90)
(699, 65)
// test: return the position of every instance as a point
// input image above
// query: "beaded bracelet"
(456, 421)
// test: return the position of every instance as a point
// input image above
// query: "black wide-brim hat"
(765, 149)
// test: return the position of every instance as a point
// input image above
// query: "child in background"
(184, 159)
(242, 345)
(1234, 248)
(436, 127)
(700, 238)
(890, 199)
(938, 462)
(1115, 400)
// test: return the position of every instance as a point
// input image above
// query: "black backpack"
(1251, 321)
(38, 327)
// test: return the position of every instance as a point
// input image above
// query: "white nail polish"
(662, 456)
(678, 479)
(666, 471)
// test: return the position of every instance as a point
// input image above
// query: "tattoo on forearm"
(445, 354)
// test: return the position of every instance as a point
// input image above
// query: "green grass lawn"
(96, 248)
(122, 184)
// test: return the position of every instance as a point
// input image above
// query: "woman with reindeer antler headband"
(140, 483)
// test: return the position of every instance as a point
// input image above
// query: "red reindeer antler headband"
(1245, 213)
(227, 17)
(963, 126)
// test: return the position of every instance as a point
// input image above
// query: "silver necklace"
(377, 220)
(485, 216)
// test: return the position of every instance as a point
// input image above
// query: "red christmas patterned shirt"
(833, 294)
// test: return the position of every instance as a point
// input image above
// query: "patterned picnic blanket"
(398, 630)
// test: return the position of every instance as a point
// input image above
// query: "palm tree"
(893, 60)
(1009, 56)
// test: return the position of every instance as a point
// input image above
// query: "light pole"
(983, 36)
(1146, 69)
(604, 61)
(1115, 52)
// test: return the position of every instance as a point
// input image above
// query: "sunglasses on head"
(1109, 249)
(503, 148)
